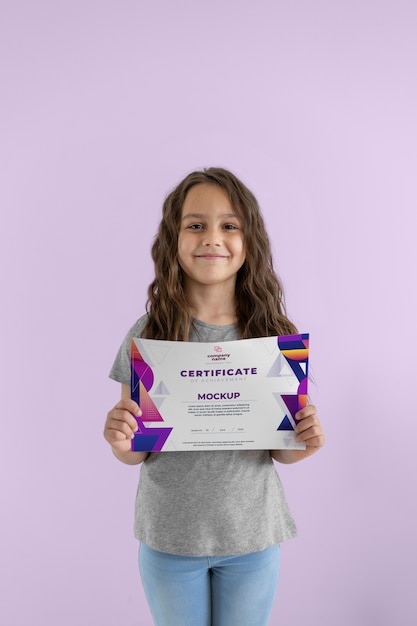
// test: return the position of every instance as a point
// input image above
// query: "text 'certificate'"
(219, 396)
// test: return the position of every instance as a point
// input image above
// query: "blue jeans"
(210, 591)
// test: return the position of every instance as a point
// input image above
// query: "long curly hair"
(260, 306)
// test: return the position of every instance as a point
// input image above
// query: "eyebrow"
(202, 215)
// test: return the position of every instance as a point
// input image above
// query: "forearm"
(129, 457)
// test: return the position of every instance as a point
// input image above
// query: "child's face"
(210, 243)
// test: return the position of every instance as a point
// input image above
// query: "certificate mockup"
(231, 395)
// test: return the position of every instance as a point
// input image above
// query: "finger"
(113, 436)
(315, 442)
(121, 421)
(313, 436)
(307, 411)
(126, 425)
(306, 423)
(122, 415)
(121, 446)
(127, 404)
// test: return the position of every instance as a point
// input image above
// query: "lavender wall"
(104, 107)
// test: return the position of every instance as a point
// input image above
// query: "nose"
(212, 237)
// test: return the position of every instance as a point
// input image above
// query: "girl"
(209, 522)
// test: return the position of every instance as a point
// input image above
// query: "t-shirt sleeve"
(120, 370)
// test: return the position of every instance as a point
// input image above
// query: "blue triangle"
(285, 424)
(144, 443)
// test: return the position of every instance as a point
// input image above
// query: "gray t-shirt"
(207, 503)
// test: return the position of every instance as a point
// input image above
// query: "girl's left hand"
(308, 429)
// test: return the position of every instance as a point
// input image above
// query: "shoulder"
(138, 327)
(120, 370)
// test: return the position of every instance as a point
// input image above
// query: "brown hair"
(259, 295)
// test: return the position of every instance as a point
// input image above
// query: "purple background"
(104, 107)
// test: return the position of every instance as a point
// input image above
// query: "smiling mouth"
(211, 256)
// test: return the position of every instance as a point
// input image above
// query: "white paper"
(219, 396)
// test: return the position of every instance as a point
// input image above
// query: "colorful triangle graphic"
(285, 424)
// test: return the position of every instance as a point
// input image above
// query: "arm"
(120, 427)
(309, 431)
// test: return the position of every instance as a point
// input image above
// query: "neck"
(213, 308)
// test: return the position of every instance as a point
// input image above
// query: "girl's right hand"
(121, 425)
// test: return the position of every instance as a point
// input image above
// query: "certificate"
(230, 395)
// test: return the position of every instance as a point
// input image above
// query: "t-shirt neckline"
(207, 325)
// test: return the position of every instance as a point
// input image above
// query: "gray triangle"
(162, 389)
(276, 367)
(157, 401)
(158, 351)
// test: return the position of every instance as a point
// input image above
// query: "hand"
(121, 425)
(308, 429)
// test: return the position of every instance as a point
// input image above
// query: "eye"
(194, 226)
(231, 227)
